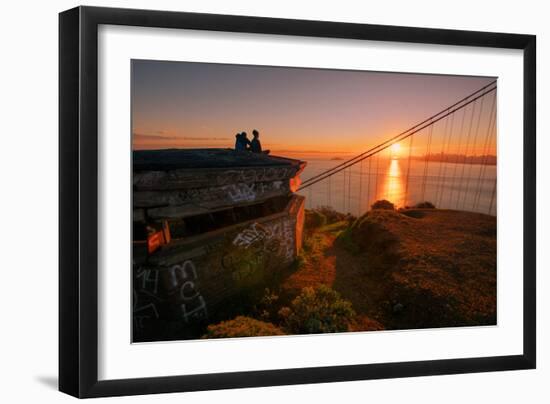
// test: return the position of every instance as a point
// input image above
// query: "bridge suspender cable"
(434, 118)
(483, 166)
(403, 135)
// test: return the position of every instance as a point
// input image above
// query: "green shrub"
(383, 204)
(424, 205)
(241, 326)
(319, 310)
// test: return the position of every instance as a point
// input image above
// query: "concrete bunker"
(208, 225)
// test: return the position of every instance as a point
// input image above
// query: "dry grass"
(411, 269)
(439, 266)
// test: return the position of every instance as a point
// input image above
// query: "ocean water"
(467, 187)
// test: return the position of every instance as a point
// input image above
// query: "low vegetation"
(435, 267)
(242, 326)
(317, 310)
(383, 204)
(424, 205)
(415, 267)
(409, 268)
(313, 311)
(333, 216)
(314, 219)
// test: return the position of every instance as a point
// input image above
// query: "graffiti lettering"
(240, 192)
(197, 313)
(144, 313)
(148, 281)
(250, 235)
(184, 277)
(256, 175)
(279, 234)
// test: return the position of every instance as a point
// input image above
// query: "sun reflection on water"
(393, 184)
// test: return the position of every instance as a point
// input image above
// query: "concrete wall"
(182, 193)
(188, 281)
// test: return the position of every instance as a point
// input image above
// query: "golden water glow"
(393, 183)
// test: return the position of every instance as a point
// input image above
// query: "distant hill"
(490, 160)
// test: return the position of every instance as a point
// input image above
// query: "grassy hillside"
(388, 269)
(412, 268)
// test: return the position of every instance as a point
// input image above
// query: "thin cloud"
(205, 138)
(139, 137)
(313, 151)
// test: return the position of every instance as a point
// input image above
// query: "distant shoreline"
(490, 160)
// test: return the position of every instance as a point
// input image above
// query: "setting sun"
(395, 149)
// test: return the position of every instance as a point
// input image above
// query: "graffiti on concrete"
(250, 235)
(145, 299)
(260, 247)
(180, 179)
(257, 174)
(149, 280)
(144, 313)
(155, 290)
(241, 192)
(279, 233)
(183, 277)
(218, 195)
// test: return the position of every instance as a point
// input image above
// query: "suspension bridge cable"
(474, 143)
(360, 188)
(344, 193)
(328, 191)
(493, 132)
(445, 159)
(482, 168)
(368, 184)
(349, 189)
(408, 172)
(445, 133)
(431, 118)
(458, 154)
(426, 161)
(493, 197)
(387, 144)
(388, 189)
(377, 168)
(465, 154)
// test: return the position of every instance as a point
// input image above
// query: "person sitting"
(255, 145)
(238, 142)
(246, 141)
(241, 142)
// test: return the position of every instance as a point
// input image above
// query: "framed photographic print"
(251, 201)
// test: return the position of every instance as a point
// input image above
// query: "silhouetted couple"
(242, 143)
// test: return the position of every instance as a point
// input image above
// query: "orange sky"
(307, 112)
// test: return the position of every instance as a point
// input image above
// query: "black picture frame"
(78, 201)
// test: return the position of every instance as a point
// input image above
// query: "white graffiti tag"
(240, 192)
(185, 277)
(250, 235)
(280, 231)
